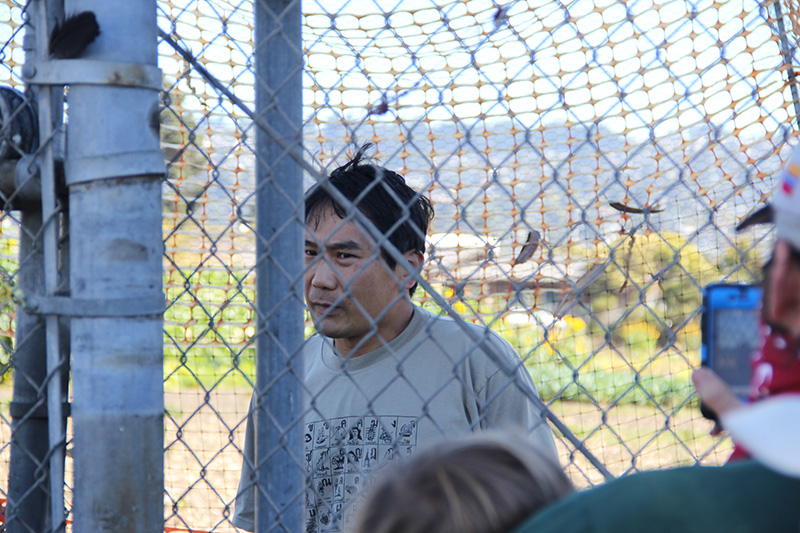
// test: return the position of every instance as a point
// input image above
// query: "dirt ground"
(202, 465)
(204, 434)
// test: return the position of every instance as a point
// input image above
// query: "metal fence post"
(279, 186)
(114, 167)
(27, 480)
(37, 448)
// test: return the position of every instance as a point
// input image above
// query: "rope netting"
(620, 142)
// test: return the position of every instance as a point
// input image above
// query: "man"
(385, 377)
(745, 496)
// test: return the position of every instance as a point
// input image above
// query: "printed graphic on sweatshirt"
(341, 457)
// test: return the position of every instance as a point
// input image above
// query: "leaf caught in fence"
(530, 246)
(501, 16)
(762, 216)
(619, 206)
(70, 38)
(380, 109)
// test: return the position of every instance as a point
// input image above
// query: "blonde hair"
(486, 483)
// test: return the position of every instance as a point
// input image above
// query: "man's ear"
(415, 258)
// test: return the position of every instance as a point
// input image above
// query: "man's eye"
(311, 253)
(342, 255)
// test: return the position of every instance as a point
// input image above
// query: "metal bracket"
(112, 307)
(92, 72)
(34, 409)
(84, 169)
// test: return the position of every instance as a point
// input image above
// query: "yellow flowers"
(6, 291)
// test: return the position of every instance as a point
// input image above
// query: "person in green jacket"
(744, 497)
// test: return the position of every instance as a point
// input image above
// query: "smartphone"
(730, 334)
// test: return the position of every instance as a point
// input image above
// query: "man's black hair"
(397, 210)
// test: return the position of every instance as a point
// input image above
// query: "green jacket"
(736, 498)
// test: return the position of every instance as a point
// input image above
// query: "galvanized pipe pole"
(36, 470)
(279, 292)
(51, 102)
(27, 477)
(114, 169)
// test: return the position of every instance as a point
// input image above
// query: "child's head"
(480, 484)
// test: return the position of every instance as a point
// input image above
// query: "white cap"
(786, 202)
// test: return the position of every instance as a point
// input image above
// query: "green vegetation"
(632, 338)
(567, 362)
(9, 250)
(208, 328)
(655, 279)
(636, 342)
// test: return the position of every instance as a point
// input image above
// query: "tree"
(656, 278)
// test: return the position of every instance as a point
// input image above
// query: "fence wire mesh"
(587, 161)
(33, 421)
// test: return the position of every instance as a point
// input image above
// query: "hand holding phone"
(730, 334)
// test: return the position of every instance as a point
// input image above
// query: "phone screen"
(735, 339)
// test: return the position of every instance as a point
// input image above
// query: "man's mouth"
(323, 308)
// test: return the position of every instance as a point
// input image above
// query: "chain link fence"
(587, 162)
(33, 368)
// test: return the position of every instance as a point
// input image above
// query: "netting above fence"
(587, 161)
(622, 143)
(561, 121)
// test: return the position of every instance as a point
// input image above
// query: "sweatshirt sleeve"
(510, 399)
(769, 430)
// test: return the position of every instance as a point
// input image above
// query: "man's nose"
(323, 275)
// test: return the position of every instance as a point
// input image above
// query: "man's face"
(350, 291)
